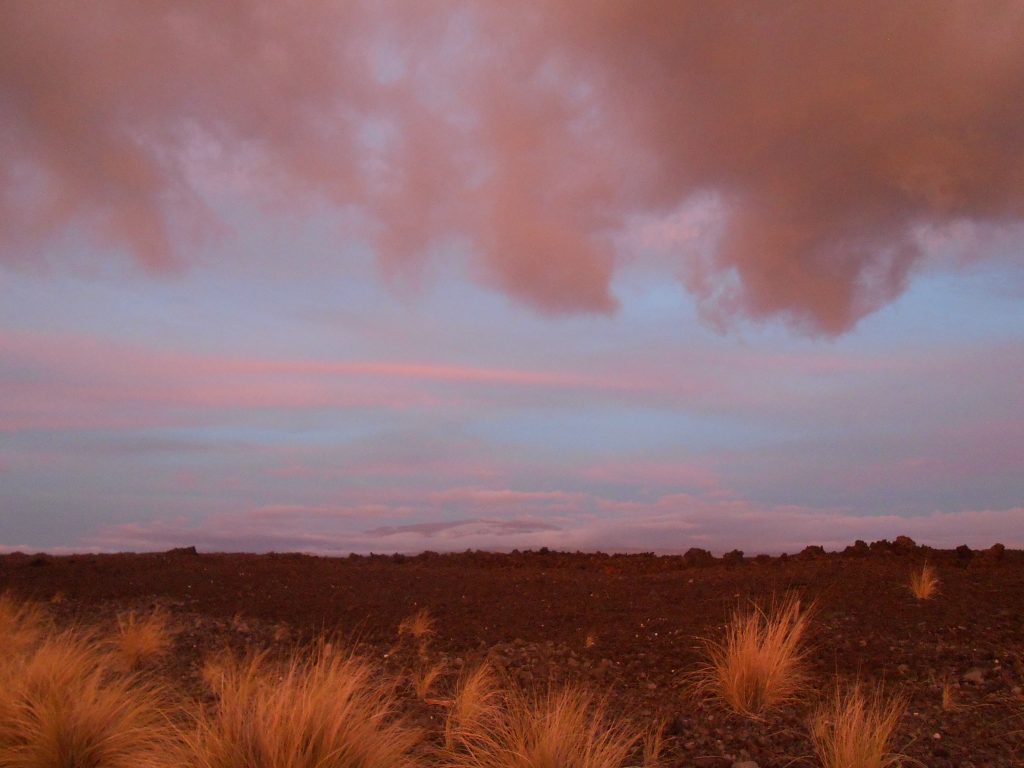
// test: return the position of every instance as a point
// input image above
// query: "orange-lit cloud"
(830, 135)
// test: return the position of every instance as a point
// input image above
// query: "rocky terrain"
(628, 626)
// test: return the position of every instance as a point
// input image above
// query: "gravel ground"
(628, 627)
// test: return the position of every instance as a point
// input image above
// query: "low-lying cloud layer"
(829, 137)
(668, 525)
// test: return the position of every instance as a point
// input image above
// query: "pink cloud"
(77, 382)
(670, 524)
(652, 473)
(831, 135)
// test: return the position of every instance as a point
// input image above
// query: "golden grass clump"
(492, 728)
(476, 699)
(854, 729)
(423, 681)
(320, 711)
(62, 705)
(142, 639)
(761, 662)
(21, 625)
(420, 625)
(924, 584)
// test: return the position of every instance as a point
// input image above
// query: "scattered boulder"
(812, 552)
(881, 547)
(964, 554)
(996, 552)
(181, 552)
(904, 545)
(733, 558)
(859, 548)
(698, 556)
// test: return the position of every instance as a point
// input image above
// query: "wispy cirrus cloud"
(73, 381)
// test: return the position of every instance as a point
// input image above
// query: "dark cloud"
(830, 134)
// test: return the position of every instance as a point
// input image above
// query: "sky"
(393, 277)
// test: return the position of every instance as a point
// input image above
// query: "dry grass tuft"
(21, 625)
(215, 668)
(420, 625)
(511, 729)
(424, 679)
(475, 701)
(924, 584)
(61, 705)
(142, 639)
(654, 745)
(760, 664)
(324, 711)
(854, 729)
(950, 702)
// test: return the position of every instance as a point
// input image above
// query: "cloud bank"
(828, 136)
(671, 524)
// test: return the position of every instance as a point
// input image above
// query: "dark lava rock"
(904, 544)
(996, 552)
(964, 553)
(881, 547)
(698, 556)
(859, 548)
(182, 551)
(812, 552)
(733, 558)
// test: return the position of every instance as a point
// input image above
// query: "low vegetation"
(760, 663)
(476, 699)
(424, 679)
(509, 728)
(142, 639)
(328, 711)
(21, 625)
(77, 699)
(61, 705)
(924, 583)
(854, 729)
(419, 625)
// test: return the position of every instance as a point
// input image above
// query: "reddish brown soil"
(627, 626)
